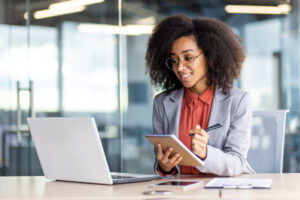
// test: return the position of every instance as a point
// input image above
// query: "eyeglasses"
(187, 61)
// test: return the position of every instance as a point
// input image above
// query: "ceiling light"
(98, 28)
(137, 29)
(63, 8)
(114, 29)
(148, 20)
(73, 3)
(251, 9)
(285, 8)
(25, 15)
(56, 12)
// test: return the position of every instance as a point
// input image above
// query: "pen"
(213, 127)
(240, 186)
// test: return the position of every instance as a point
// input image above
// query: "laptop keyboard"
(121, 177)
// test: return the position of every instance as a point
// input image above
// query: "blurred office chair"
(267, 141)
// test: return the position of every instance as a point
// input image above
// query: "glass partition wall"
(66, 63)
(87, 58)
(15, 90)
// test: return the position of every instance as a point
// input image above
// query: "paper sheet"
(239, 183)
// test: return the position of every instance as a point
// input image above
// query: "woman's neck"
(200, 87)
(198, 91)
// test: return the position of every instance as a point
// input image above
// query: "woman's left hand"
(199, 142)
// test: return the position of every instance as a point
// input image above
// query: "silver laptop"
(70, 149)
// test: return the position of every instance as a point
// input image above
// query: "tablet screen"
(177, 183)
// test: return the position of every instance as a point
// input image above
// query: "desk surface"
(284, 186)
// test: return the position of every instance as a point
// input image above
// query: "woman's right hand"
(165, 162)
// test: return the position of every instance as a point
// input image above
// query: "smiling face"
(193, 75)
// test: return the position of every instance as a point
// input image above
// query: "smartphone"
(180, 184)
(158, 192)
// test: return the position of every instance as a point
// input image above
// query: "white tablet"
(177, 184)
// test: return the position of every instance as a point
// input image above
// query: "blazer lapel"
(218, 113)
(172, 104)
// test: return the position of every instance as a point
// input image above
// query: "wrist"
(203, 156)
(173, 171)
(165, 171)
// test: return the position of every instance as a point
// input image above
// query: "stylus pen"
(213, 127)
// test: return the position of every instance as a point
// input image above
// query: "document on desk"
(233, 183)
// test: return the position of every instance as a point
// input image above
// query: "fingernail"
(198, 126)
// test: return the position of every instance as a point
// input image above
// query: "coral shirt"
(194, 110)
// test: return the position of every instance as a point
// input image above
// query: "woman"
(196, 61)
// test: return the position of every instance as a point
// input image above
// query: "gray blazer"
(228, 146)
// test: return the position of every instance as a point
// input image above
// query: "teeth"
(186, 75)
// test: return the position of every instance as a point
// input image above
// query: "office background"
(88, 59)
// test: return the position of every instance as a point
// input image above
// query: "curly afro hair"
(221, 46)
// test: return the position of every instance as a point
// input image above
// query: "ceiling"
(134, 10)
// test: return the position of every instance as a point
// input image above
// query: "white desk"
(284, 186)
